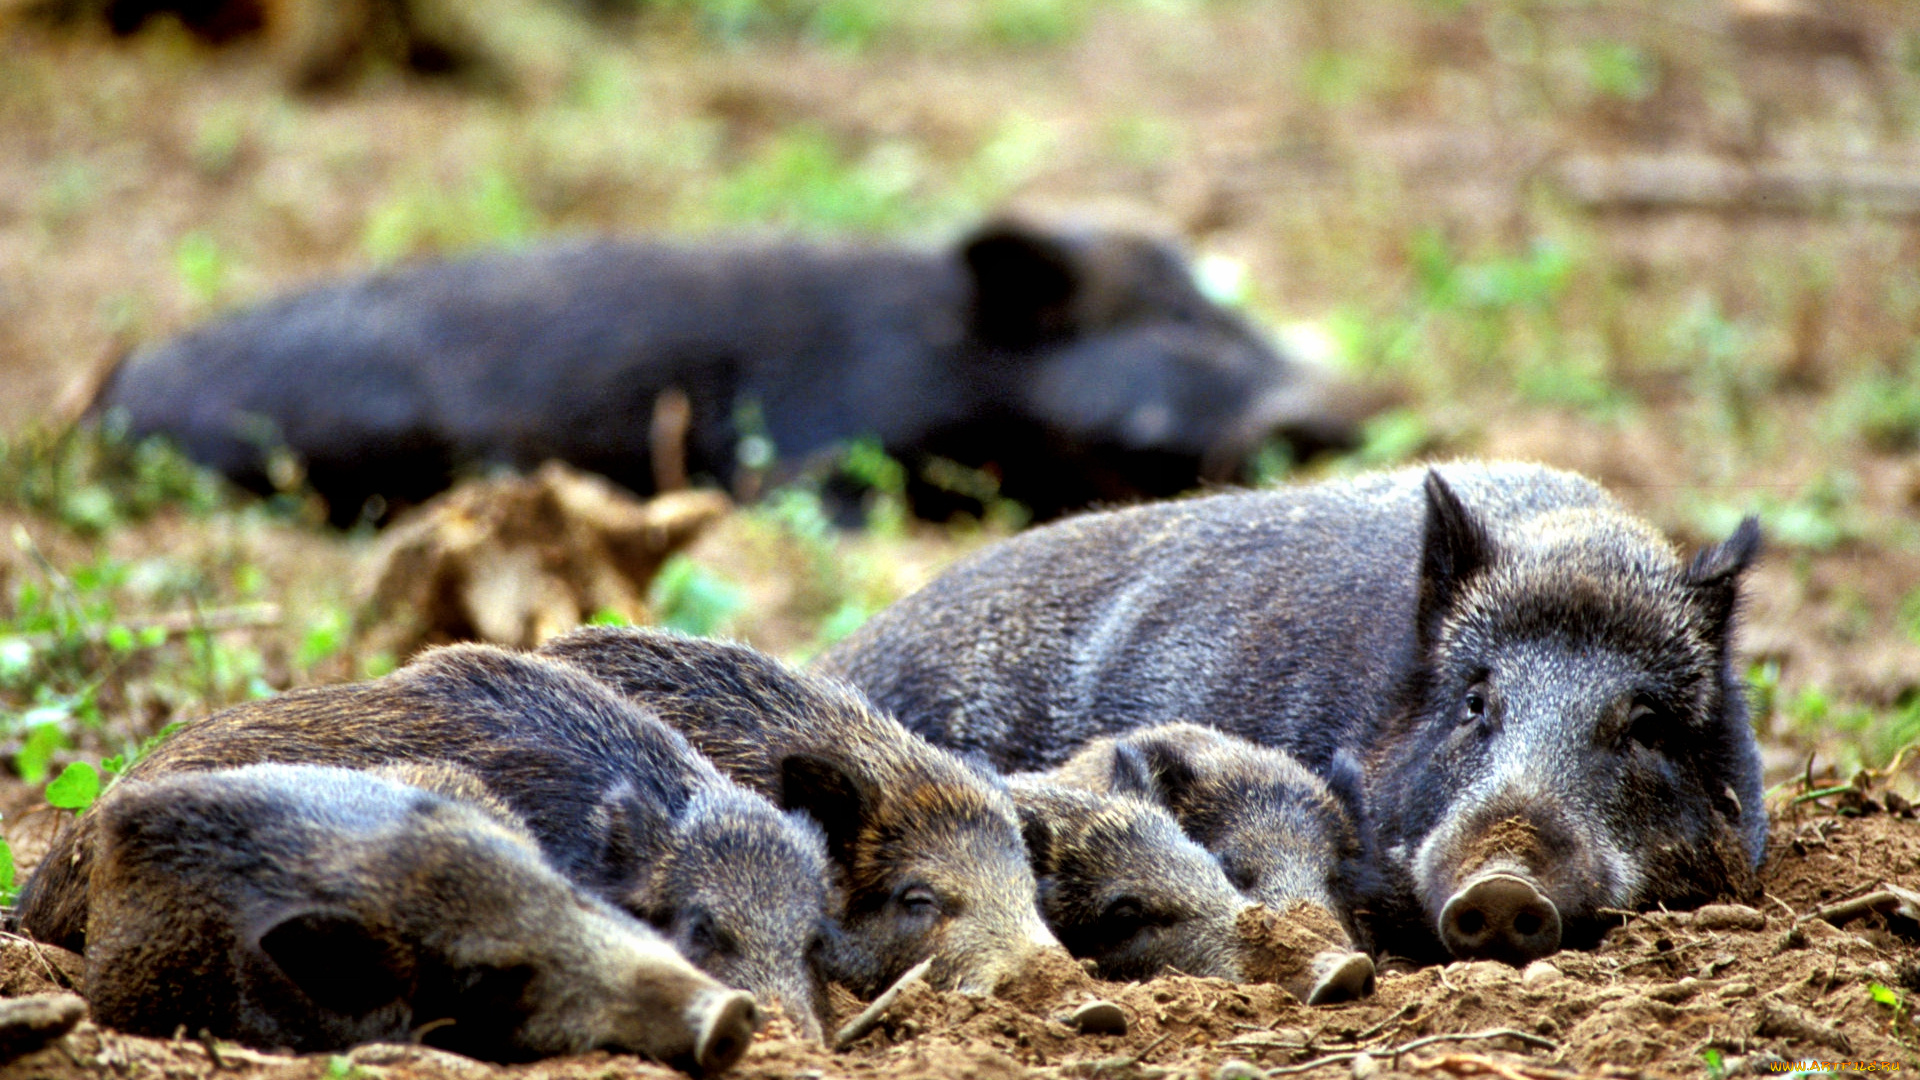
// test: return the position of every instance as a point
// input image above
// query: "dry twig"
(871, 1016)
(1394, 1052)
(1477, 1065)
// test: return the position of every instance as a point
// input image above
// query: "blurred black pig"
(1065, 367)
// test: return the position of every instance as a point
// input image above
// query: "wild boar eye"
(1647, 725)
(703, 937)
(1239, 875)
(1474, 706)
(1123, 917)
(919, 900)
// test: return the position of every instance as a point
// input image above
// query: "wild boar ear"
(1714, 574)
(825, 791)
(1038, 837)
(634, 835)
(1174, 777)
(1454, 548)
(1023, 284)
(338, 961)
(1131, 774)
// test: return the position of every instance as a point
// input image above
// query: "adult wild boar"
(1074, 366)
(929, 855)
(619, 803)
(317, 908)
(1537, 691)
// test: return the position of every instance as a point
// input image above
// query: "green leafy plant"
(1900, 1023)
(94, 477)
(75, 788)
(203, 268)
(1616, 69)
(1030, 23)
(693, 599)
(489, 210)
(802, 179)
(884, 479)
(1880, 407)
(850, 24)
(9, 892)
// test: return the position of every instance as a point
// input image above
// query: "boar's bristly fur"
(618, 801)
(1536, 691)
(929, 856)
(1281, 833)
(1122, 886)
(315, 908)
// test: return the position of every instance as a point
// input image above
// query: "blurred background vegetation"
(1670, 243)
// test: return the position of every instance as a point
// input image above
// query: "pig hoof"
(725, 1034)
(1500, 917)
(1100, 1018)
(30, 1023)
(1340, 976)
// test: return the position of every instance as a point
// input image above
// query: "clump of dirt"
(1509, 838)
(1285, 945)
(1042, 980)
(1752, 985)
(28, 967)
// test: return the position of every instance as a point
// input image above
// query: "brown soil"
(1286, 943)
(1754, 985)
(1314, 141)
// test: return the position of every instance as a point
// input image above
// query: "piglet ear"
(1175, 780)
(1023, 284)
(1454, 548)
(338, 961)
(824, 790)
(1714, 574)
(635, 836)
(1038, 836)
(1132, 774)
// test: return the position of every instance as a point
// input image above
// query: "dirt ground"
(1732, 182)
(1755, 985)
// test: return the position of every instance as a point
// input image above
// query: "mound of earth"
(1803, 975)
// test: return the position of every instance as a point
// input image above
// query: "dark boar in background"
(618, 801)
(929, 855)
(1075, 367)
(1539, 691)
(310, 908)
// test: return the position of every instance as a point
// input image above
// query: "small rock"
(1365, 1067)
(1236, 1069)
(1728, 917)
(30, 1023)
(1674, 993)
(1779, 1020)
(1540, 973)
(414, 1060)
(1738, 990)
(1100, 1018)
(1291, 1035)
